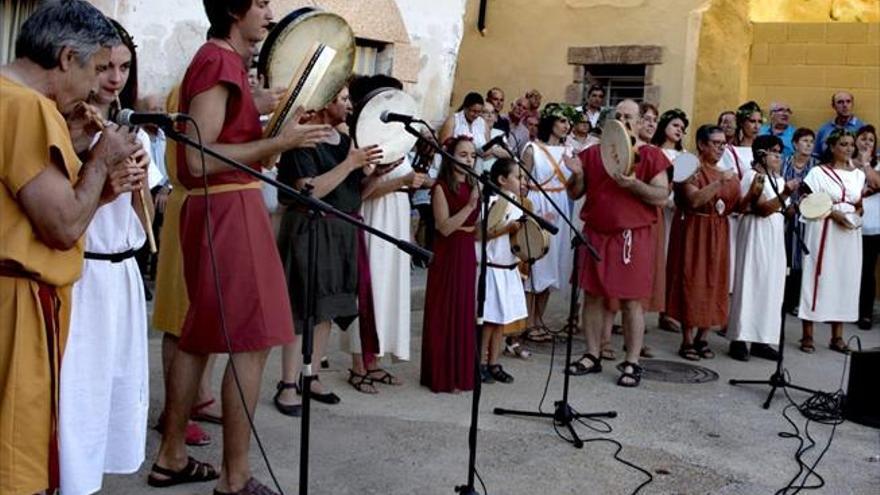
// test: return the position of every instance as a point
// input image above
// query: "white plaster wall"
(436, 27)
(168, 33)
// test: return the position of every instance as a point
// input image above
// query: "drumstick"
(147, 220)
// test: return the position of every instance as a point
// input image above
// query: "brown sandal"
(807, 345)
(607, 354)
(380, 375)
(837, 344)
(252, 487)
(193, 472)
(361, 383)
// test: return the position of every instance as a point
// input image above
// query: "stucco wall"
(803, 64)
(527, 41)
(168, 33)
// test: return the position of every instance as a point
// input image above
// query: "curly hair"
(666, 118)
(832, 139)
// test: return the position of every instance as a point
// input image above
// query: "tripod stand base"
(563, 415)
(776, 381)
(466, 490)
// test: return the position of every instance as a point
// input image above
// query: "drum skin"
(616, 149)
(531, 242)
(391, 137)
(816, 206)
(290, 43)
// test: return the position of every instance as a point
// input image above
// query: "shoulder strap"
(557, 171)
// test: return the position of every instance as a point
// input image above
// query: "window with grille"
(621, 81)
(369, 57)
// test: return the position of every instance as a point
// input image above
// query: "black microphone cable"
(222, 310)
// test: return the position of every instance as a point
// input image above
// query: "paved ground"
(710, 438)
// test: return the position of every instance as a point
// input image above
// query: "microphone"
(129, 117)
(389, 117)
(499, 139)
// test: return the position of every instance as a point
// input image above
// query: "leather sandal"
(361, 383)
(702, 348)
(578, 368)
(325, 398)
(688, 352)
(292, 410)
(193, 472)
(837, 344)
(381, 375)
(630, 379)
(252, 487)
(499, 374)
(807, 345)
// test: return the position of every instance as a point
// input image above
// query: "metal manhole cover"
(676, 372)
(578, 347)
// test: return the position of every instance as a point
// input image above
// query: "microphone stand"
(778, 380)
(316, 209)
(488, 188)
(563, 414)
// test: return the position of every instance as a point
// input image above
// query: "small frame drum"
(531, 242)
(816, 206)
(616, 148)
(391, 137)
(684, 167)
(288, 59)
(497, 213)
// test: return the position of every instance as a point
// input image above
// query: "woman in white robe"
(546, 159)
(104, 391)
(738, 156)
(832, 270)
(756, 305)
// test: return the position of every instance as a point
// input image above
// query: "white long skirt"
(104, 394)
(758, 290)
(553, 271)
(390, 271)
(835, 291)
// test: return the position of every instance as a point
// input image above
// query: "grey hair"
(59, 23)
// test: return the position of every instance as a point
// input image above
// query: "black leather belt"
(503, 267)
(112, 258)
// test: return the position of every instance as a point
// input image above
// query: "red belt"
(50, 306)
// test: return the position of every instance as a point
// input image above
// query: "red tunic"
(449, 332)
(621, 227)
(698, 266)
(254, 293)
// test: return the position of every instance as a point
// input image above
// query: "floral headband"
(562, 111)
(746, 110)
(670, 115)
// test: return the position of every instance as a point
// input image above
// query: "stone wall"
(804, 63)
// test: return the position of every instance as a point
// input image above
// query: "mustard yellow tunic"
(34, 136)
(171, 304)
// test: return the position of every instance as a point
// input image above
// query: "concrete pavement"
(709, 438)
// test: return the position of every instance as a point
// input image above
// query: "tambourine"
(497, 213)
(390, 137)
(530, 243)
(684, 167)
(311, 52)
(816, 206)
(616, 148)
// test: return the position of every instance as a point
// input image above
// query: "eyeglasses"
(785, 110)
(774, 154)
(717, 143)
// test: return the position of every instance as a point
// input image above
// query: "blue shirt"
(786, 137)
(853, 125)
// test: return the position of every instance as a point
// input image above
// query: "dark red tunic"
(254, 293)
(621, 227)
(449, 330)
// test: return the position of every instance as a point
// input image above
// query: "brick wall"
(804, 63)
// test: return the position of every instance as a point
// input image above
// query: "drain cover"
(676, 372)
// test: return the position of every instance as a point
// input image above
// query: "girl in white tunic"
(830, 286)
(505, 309)
(738, 156)
(104, 393)
(545, 158)
(756, 306)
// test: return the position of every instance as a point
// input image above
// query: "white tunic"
(833, 295)
(756, 305)
(389, 269)
(476, 130)
(669, 209)
(104, 393)
(738, 158)
(871, 217)
(505, 296)
(553, 271)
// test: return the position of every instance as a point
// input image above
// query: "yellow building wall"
(526, 43)
(803, 64)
